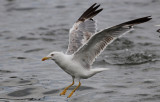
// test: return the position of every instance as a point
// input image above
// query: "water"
(29, 30)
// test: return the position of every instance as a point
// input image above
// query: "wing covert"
(98, 42)
(83, 29)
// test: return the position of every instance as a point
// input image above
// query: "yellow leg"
(65, 90)
(74, 90)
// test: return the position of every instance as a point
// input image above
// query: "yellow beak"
(45, 58)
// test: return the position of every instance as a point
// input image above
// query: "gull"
(85, 44)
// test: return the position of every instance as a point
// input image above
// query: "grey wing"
(98, 42)
(83, 29)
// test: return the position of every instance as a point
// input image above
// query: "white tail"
(96, 70)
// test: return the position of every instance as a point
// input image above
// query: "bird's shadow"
(29, 91)
(55, 91)
(37, 93)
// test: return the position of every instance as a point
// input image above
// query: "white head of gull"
(85, 44)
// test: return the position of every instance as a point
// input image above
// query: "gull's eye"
(52, 54)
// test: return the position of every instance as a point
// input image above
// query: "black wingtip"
(158, 30)
(144, 19)
(139, 20)
(90, 12)
(94, 4)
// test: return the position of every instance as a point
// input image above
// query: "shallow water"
(30, 29)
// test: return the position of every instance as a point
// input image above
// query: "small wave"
(60, 6)
(26, 38)
(33, 50)
(55, 32)
(120, 44)
(129, 57)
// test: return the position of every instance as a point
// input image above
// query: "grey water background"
(30, 29)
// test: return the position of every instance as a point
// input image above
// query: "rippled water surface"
(30, 29)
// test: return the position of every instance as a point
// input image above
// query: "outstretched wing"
(98, 42)
(82, 30)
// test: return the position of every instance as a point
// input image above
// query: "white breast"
(70, 66)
